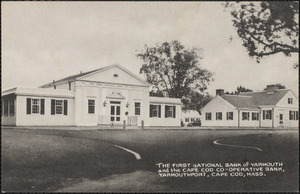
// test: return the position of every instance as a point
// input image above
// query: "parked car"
(182, 124)
(195, 123)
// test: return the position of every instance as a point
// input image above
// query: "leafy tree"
(280, 86)
(238, 90)
(195, 101)
(173, 70)
(267, 27)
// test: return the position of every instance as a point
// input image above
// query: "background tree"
(280, 86)
(267, 27)
(195, 101)
(238, 90)
(174, 71)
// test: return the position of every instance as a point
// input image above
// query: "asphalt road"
(193, 147)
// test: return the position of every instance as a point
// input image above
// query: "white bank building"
(106, 96)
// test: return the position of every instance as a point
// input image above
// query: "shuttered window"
(218, 115)
(35, 106)
(245, 115)
(59, 107)
(255, 116)
(294, 115)
(267, 114)
(229, 115)
(170, 111)
(155, 110)
(208, 116)
(5, 107)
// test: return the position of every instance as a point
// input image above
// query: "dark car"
(195, 123)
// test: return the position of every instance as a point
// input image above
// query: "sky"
(45, 41)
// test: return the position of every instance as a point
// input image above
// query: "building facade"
(271, 108)
(108, 96)
(190, 116)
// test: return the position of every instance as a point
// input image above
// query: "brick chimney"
(220, 92)
(272, 88)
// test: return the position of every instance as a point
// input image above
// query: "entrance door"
(281, 119)
(115, 112)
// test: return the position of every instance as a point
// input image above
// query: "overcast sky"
(45, 41)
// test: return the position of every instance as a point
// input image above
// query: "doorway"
(281, 119)
(115, 111)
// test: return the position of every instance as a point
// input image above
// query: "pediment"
(114, 74)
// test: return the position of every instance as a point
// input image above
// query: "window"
(35, 106)
(187, 120)
(254, 116)
(192, 120)
(170, 111)
(197, 119)
(58, 107)
(11, 107)
(155, 110)
(267, 114)
(208, 116)
(229, 115)
(137, 107)
(218, 115)
(91, 106)
(290, 100)
(245, 115)
(294, 115)
(5, 107)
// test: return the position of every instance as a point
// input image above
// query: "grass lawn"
(50, 160)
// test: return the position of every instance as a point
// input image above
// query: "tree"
(195, 101)
(280, 86)
(238, 90)
(173, 70)
(267, 27)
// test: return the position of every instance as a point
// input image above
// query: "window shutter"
(42, 106)
(151, 107)
(28, 106)
(166, 109)
(159, 111)
(264, 115)
(174, 111)
(52, 107)
(65, 107)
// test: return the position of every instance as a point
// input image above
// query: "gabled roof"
(190, 113)
(80, 75)
(241, 101)
(266, 98)
(71, 78)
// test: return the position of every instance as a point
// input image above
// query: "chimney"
(272, 88)
(220, 92)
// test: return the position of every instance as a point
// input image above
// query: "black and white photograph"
(158, 96)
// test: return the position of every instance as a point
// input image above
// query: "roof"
(266, 98)
(190, 113)
(48, 92)
(240, 101)
(252, 100)
(74, 77)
